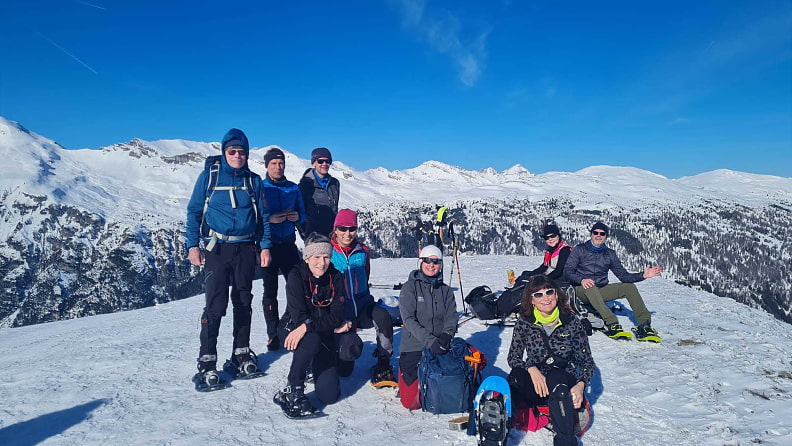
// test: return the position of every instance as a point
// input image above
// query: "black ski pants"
(373, 315)
(228, 264)
(562, 412)
(284, 257)
(319, 352)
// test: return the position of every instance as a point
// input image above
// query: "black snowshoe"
(207, 379)
(295, 404)
(243, 364)
(492, 420)
(382, 376)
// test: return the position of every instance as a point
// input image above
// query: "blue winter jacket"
(220, 214)
(583, 263)
(279, 197)
(355, 269)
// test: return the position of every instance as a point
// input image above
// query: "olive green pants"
(597, 296)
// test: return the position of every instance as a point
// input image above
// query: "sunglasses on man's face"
(600, 233)
(324, 161)
(549, 236)
(432, 261)
(347, 228)
(232, 152)
(539, 294)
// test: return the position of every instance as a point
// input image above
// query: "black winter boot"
(243, 360)
(294, 403)
(382, 374)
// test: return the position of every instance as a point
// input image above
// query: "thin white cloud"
(90, 4)
(66, 52)
(442, 32)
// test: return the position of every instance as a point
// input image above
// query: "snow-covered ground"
(721, 377)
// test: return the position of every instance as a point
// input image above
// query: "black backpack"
(487, 305)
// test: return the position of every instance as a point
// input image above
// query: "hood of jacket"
(239, 135)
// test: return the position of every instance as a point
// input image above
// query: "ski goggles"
(429, 260)
(539, 294)
(347, 228)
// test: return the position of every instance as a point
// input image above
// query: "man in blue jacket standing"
(587, 267)
(284, 204)
(227, 212)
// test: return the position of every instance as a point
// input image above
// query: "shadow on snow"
(36, 430)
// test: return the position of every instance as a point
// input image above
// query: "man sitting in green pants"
(587, 268)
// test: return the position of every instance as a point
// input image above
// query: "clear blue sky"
(675, 87)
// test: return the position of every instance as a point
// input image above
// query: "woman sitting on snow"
(556, 254)
(550, 357)
(314, 315)
(352, 259)
(428, 308)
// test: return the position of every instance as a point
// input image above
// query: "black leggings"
(559, 401)
(320, 354)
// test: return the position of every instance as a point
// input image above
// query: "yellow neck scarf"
(546, 320)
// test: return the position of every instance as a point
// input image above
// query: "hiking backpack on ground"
(488, 305)
(447, 382)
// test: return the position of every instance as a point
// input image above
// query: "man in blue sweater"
(283, 201)
(227, 213)
(587, 267)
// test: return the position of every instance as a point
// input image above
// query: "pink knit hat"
(345, 217)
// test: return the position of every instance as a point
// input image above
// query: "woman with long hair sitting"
(550, 357)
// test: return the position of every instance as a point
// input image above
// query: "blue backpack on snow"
(448, 383)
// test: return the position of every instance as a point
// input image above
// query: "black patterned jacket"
(568, 342)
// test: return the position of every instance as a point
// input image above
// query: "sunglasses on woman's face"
(347, 228)
(539, 294)
(549, 236)
(428, 260)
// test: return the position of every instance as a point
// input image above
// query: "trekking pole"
(455, 259)
(474, 360)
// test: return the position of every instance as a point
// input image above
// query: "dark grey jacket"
(584, 263)
(321, 205)
(428, 310)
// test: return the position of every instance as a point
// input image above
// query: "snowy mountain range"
(722, 376)
(86, 232)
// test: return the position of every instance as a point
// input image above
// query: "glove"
(441, 344)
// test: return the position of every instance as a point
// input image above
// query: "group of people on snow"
(246, 223)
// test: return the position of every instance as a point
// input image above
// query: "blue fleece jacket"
(278, 197)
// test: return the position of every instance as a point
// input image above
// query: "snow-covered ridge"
(160, 174)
